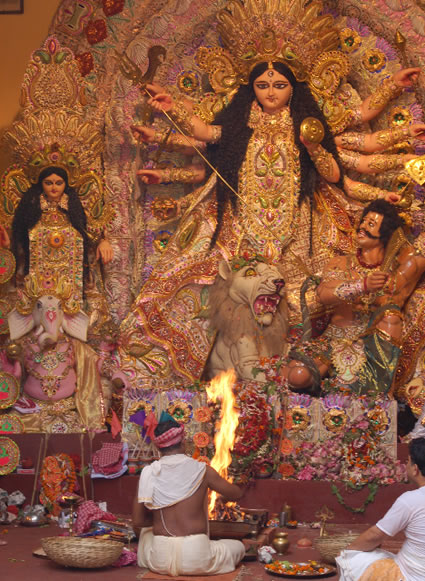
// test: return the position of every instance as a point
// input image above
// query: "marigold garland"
(57, 478)
(201, 439)
(202, 414)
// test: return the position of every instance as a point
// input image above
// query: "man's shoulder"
(416, 497)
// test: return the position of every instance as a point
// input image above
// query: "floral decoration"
(350, 40)
(374, 60)
(96, 31)
(188, 82)
(180, 410)
(111, 7)
(301, 418)
(286, 469)
(204, 459)
(202, 414)
(400, 116)
(352, 456)
(286, 446)
(57, 478)
(201, 439)
(85, 63)
(335, 420)
(138, 406)
(256, 448)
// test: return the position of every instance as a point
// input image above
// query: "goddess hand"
(406, 77)
(141, 133)
(417, 131)
(376, 281)
(150, 176)
(104, 251)
(308, 144)
(392, 197)
(4, 238)
(161, 102)
(154, 89)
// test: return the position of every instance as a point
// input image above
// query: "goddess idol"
(274, 191)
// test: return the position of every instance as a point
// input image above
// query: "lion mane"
(232, 320)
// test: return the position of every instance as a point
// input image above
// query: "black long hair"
(28, 214)
(229, 153)
(391, 220)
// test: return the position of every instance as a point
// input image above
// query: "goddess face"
(272, 90)
(53, 187)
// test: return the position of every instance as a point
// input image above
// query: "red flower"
(96, 31)
(111, 7)
(85, 63)
(286, 469)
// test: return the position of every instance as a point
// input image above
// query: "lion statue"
(249, 314)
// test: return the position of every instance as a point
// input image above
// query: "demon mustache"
(368, 234)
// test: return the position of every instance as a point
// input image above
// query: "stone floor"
(19, 564)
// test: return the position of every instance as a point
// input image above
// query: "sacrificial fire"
(221, 388)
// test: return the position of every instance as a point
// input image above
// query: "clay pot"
(281, 542)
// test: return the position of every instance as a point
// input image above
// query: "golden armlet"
(383, 94)
(365, 192)
(389, 137)
(171, 174)
(349, 159)
(353, 141)
(323, 160)
(349, 291)
(385, 162)
(419, 244)
(182, 117)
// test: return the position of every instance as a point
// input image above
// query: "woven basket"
(82, 553)
(330, 547)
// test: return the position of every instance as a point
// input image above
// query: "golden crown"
(277, 30)
(293, 32)
(53, 130)
(37, 285)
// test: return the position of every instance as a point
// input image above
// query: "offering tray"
(290, 570)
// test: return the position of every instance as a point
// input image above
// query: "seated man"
(171, 506)
(364, 561)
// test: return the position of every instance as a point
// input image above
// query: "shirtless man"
(365, 330)
(171, 510)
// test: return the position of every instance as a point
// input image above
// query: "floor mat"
(147, 575)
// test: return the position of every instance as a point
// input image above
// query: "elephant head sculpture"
(49, 312)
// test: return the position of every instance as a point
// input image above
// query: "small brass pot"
(281, 543)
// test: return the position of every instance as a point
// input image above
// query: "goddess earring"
(290, 97)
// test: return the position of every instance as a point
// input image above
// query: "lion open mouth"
(266, 304)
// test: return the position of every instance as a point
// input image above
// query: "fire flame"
(221, 388)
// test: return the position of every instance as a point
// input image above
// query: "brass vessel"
(281, 542)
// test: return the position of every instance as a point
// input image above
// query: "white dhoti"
(190, 555)
(377, 565)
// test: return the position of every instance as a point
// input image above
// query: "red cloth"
(170, 437)
(116, 426)
(108, 459)
(150, 424)
(127, 557)
(87, 512)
